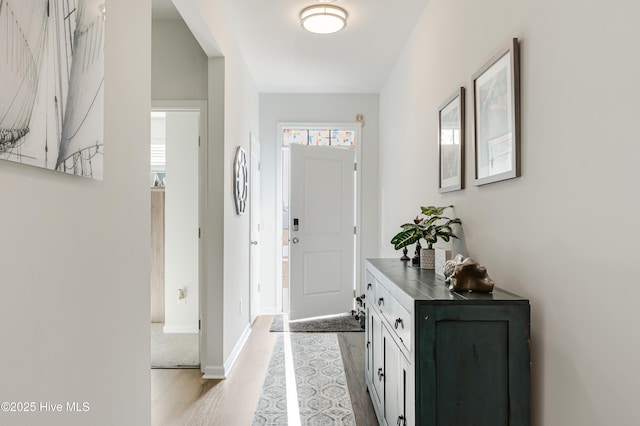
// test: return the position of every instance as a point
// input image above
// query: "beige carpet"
(174, 350)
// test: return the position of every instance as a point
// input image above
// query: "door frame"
(201, 107)
(355, 126)
(255, 276)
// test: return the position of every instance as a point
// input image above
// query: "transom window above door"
(319, 137)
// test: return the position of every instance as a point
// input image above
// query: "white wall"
(233, 116)
(562, 233)
(310, 108)
(213, 306)
(179, 66)
(241, 119)
(74, 259)
(182, 222)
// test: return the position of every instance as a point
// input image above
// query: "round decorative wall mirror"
(241, 181)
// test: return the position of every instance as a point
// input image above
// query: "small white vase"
(427, 258)
(442, 255)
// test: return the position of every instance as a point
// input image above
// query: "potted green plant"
(431, 227)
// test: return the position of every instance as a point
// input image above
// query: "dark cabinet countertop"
(425, 285)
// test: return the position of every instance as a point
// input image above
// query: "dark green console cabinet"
(436, 357)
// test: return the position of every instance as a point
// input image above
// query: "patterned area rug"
(325, 325)
(321, 385)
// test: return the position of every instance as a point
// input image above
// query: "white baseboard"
(180, 328)
(213, 372)
(218, 372)
(233, 356)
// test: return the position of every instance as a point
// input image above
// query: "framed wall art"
(496, 117)
(52, 85)
(241, 180)
(451, 143)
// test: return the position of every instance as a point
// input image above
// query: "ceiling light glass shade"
(323, 19)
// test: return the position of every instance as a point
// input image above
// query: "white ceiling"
(283, 58)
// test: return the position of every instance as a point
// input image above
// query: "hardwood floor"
(182, 397)
(352, 348)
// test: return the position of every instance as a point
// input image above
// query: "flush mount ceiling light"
(323, 18)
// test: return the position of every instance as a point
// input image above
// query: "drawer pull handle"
(399, 322)
(380, 374)
(368, 286)
(380, 301)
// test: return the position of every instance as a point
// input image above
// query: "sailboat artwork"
(52, 84)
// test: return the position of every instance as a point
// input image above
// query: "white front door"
(321, 231)
(254, 189)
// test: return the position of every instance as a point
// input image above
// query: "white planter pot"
(427, 258)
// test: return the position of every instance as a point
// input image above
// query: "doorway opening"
(330, 135)
(176, 252)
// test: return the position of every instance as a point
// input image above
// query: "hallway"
(182, 397)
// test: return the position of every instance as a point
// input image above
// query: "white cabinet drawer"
(382, 298)
(399, 320)
(396, 316)
(369, 288)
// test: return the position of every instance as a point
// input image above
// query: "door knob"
(295, 240)
(254, 243)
